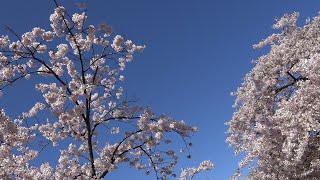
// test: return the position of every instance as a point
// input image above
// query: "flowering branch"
(79, 73)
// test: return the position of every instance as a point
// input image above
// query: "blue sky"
(197, 53)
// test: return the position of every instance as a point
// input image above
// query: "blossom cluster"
(189, 173)
(277, 122)
(78, 71)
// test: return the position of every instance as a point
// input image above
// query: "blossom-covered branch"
(79, 74)
(277, 122)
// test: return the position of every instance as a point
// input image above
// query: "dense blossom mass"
(78, 69)
(277, 122)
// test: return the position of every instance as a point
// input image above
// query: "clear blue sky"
(197, 53)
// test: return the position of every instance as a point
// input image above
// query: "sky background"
(197, 53)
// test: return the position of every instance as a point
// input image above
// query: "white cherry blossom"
(276, 123)
(79, 75)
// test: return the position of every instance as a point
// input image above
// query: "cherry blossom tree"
(277, 121)
(79, 72)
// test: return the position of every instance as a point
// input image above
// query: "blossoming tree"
(79, 74)
(277, 122)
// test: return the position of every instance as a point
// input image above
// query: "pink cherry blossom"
(79, 76)
(276, 123)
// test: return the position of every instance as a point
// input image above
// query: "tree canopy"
(84, 111)
(276, 124)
